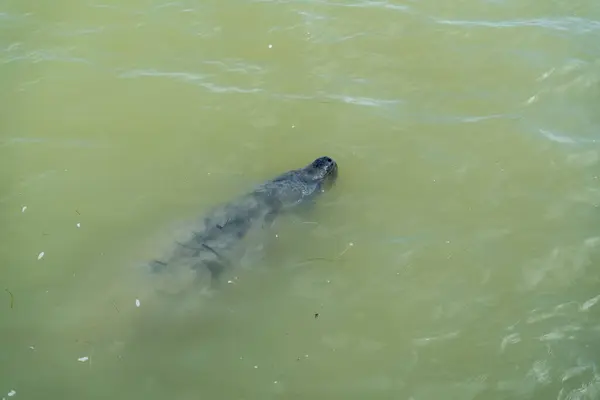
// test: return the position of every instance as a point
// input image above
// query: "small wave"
(363, 101)
(578, 25)
(229, 89)
(201, 80)
(183, 76)
(556, 137)
(187, 77)
(510, 339)
(362, 4)
(356, 100)
(560, 333)
(589, 303)
(291, 96)
(461, 119)
(38, 56)
(424, 341)
(236, 66)
(564, 138)
(369, 4)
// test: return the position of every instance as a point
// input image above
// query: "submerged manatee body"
(225, 226)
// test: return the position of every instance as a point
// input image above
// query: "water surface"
(454, 259)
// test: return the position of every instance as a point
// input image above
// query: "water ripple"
(563, 138)
(572, 24)
(182, 76)
(363, 101)
(229, 89)
(201, 80)
(369, 4)
(236, 66)
(362, 4)
(37, 56)
(187, 77)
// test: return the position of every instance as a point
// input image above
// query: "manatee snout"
(324, 169)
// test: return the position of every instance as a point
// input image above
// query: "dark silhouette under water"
(226, 225)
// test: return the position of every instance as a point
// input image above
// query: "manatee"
(226, 225)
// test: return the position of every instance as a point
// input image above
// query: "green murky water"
(456, 258)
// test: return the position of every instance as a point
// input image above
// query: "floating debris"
(346, 249)
(23, 209)
(12, 298)
(532, 99)
(78, 225)
(41, 255)
(11, 393)
(83, 359)
(270, 46)
(339, 256)
(137, 302)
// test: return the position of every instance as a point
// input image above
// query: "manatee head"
(299, 186)
(323, 171)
